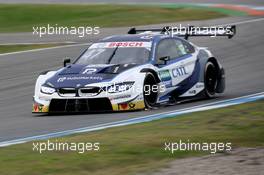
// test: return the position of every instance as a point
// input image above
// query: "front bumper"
(72, 105)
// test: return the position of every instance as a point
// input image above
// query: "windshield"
(116, 53)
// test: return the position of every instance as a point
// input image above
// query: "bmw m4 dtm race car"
(139, 70)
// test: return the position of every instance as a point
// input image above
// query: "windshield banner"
(121, 44)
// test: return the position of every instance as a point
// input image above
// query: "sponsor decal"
(120, 97)
(123, 106)
(192, 92)
(199, 85)
(62, 79)
(168, 83)
(38, 108)
(89, 71)
(147, 37)
(126, 106)
(125, 44)
(131, 105)
(35, 107)
(121, 44)
(197, 88)
(179, 71)
(165, 75)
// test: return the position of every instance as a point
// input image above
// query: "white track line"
(244, 22)
(38, 43)
(49, 48)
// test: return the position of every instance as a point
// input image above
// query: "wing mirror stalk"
(164, 59)
(66, 61)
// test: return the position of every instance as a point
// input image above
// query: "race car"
(143, 69)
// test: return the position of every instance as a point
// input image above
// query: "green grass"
(22, 47)
(139, 148)
(21, 18)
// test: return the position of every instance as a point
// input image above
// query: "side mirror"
(66, 61)
(164, 59)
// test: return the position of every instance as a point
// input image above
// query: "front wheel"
(150, 90)
(210, 79)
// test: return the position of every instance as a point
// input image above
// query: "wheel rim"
(150, 97)
(211, 79)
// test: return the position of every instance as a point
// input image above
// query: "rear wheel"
(150, 90)
(210, 79)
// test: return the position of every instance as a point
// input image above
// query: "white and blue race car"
(139, 70)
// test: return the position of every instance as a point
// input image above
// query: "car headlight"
(47, 90)
(119, 87)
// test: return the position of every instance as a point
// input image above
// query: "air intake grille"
(80, 105)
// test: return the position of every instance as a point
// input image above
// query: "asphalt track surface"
(241, 56)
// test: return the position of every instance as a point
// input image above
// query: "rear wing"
(186, 32)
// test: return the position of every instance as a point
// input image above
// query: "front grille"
(67, 92)
(89, 91)
(82, 92)
(80, 105)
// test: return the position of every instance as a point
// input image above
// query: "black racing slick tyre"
(210, 79)
(150, 90)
